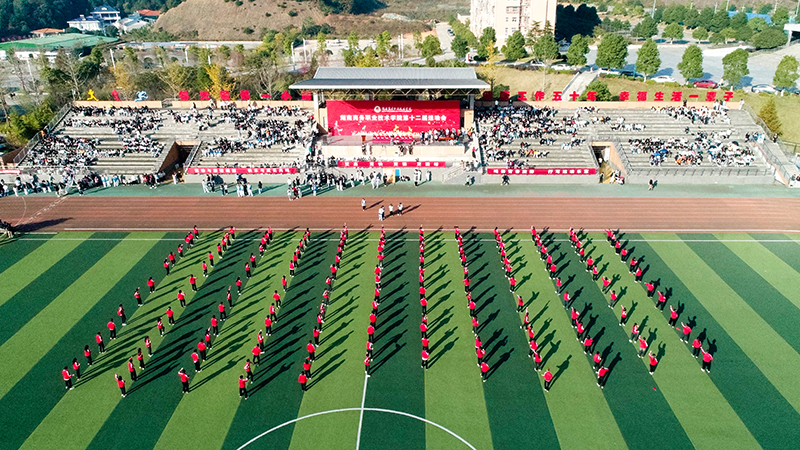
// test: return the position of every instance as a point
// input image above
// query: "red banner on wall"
(391, 118)
(239, 170)
(392, 164)
(541, 171)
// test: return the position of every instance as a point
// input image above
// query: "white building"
(101, 17)
(508, 16)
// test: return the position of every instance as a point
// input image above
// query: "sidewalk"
(579, 83)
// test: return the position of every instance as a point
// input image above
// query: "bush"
(601, 88)
(292, 13)
(267, 15)
(239, 3)
(248, 30)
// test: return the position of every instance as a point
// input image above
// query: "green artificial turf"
(738, 290)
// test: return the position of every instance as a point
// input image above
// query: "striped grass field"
(739, 292)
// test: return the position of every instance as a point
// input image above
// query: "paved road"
(762, 66)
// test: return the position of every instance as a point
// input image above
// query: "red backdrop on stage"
(391, 118)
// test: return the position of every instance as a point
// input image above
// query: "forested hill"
(19, 17)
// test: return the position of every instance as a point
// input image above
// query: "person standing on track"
(302, 379)
(311, 351)
(653, 363)
(707, 358)
(76, 366)
(602, 376)
(623, 317)
(248, 369)
(673, 316)
(170, 313)
(131, 369)
(425, 356)
(193, 282)
(151, 284)
(181, 298)
(138, 297)
(484, 371)
(196, 361)
(686, 330)
(87, 352)
(256, 355)
(112, 328)
(696, 347)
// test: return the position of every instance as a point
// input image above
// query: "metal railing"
(193, 153)
(57, 118)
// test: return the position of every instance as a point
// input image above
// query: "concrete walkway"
(578, 84)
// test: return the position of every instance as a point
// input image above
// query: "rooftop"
(56, 41)
(362, 78)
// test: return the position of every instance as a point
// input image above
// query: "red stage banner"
(391, 118)
(392, 164)
(541, 171)
(10, 171)
(239, 170)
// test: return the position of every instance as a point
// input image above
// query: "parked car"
(766, 88)
(630, 73)
(663, 79)
(709, 84)
(561, 66)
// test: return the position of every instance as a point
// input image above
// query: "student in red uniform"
(559, 285)
(707, 358)
(602, 376)
(112, 328)
(248, 369)
(76, 366)
(182, 298)
(662, 301)
(484, 370)
(696, 346)
(201, 347)
(587, 344)
(229, 298)
(598, 360)
(100, 344)
(256, 355)
(423, 328)
(268, 326)
(367, 361)
(131, 369)
(214, 325)
(642, 347)
(566, 300)
(311, 351)
(277, 299)
(242, 387)
(160, 326)
(686, 330)
(138, 297)
(537, 359)
(272, 313)
(595, 273)
(151, 284)
(208, 338)
(638, 275)
(211, 259)
(673, 316)
(573, 316)
(425, 356)
(222, 314)
(548, 379)
(480, 353)
(471, 306)
(623, 317)
(475, 325)
(302, 379)
(634, 332)
(120, 384)
(613, 300)
(533, 347)
(424, 304)
(88, 354)
(317, 330)
(170, 313)
(140, 358)
(196, 361)
(651, 289)
(184, 380)
(653, 362)
(205, 269)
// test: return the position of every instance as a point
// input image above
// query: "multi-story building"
(508, 16)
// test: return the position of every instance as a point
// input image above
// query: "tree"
(460, 46)
(487, 42)
(546, 49)
(769, 38)
(352, 41)
(716, 38)
(719, 21)
(533, 34)
(322, 48)
(728, 33)
(780, 17)
(368, 59)
(645, 29)
(757, 24)
(673, 31)
(769, 114)
(600, 88)
(674, 14)
(382, 44)
(220, 81)
(648, 60)
(176, 77)
(786, 73)
(612, 51)
(264, 67)
(75, 71)
(701, 34)
(691, 65)
(734, 66)
(691, 18)
(515, 47)
(739, 21)
(576, 53)
(705, 17)
(431, 46)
